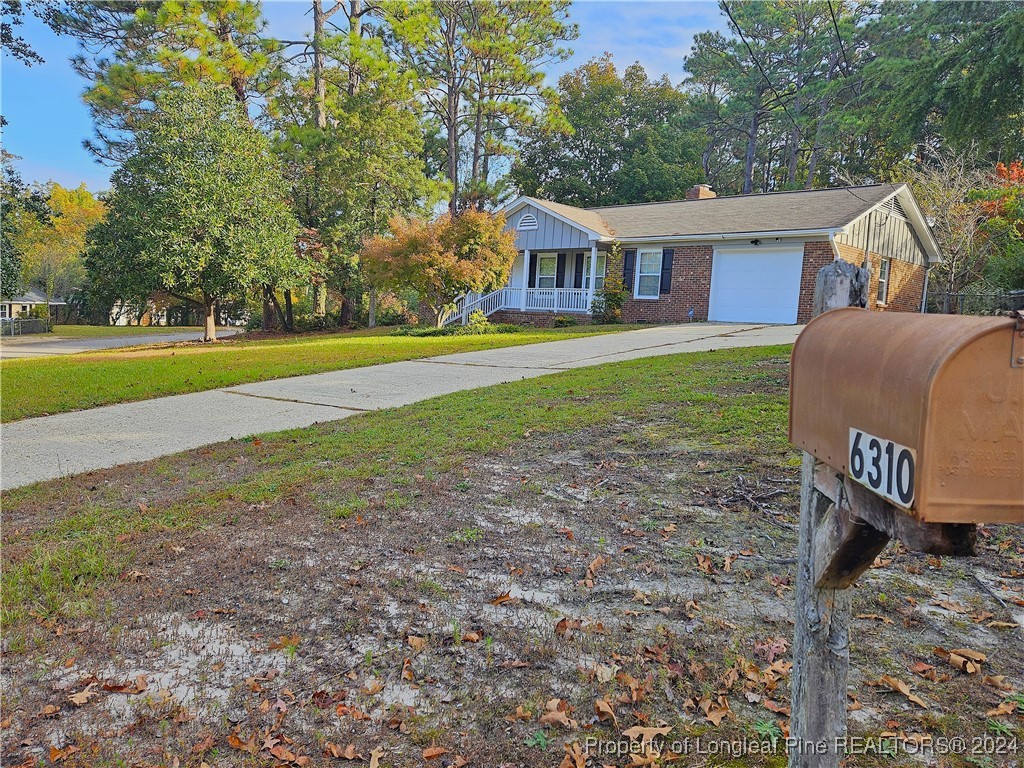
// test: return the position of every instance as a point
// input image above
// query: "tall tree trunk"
(452, 97)
(289, 317)
(373, 308)
(210, 318)
(755, 125)
(319, 83)
(267, 321)
(355, 28)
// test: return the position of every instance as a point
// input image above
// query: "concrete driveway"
(45, 345)
(54, 446)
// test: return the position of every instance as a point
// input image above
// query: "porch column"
(593, 277)
(526, 279)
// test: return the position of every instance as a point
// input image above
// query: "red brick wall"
(906, 281)
(691, 288)
(817, 254)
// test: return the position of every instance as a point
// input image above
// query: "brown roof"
(814, 209)
(585, 218)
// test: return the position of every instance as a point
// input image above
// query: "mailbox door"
(974, 436)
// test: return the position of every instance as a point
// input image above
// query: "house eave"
(726, 236)
(522, 200)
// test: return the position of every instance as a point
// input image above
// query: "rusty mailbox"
(927, 411)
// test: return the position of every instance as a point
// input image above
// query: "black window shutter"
(533, 270)
(628, 265)
(577, 280)
(666, 270)
(560, 272)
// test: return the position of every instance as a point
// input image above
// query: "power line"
(757, 63)
(839, 38)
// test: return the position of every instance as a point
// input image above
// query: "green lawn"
(112, 331)
(731, 398)
(33, 387)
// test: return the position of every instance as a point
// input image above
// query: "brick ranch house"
(750, 258)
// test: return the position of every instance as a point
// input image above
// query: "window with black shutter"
(577, 279)
(560, 271)
(666, 270)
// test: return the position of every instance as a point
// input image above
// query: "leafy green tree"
(21, 207)
(52, 246)
(442, 259)
(949, 73)
(363, 167)
(1003, 204)
(628, 141)
(131, 51)
(199, 208)
(480, 71)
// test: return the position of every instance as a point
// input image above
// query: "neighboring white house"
(20, 306)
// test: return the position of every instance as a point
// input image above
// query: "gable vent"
(527, 222)
(892, 206)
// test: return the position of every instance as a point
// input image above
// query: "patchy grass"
(34, 387)
(444, 574)
(114, 331)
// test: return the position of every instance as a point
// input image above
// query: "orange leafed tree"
(441, 259)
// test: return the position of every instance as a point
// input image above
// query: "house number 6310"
(887, 468)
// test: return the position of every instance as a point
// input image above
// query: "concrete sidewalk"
(54, 446)
(46, 346)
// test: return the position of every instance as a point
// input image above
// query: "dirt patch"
(505, 610)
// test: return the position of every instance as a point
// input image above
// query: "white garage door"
(756, 285)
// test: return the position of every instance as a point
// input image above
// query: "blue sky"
(47, 120)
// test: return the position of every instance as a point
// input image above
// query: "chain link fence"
(17, 326)
(974, 302)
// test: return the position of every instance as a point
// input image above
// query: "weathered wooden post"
(911, 429)
(821, 641)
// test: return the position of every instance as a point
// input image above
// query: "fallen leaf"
(416, 643)
(204, 745)
(900, 687)
(431, 752)
(83, 696)
(556, 713)
(372, 688)
(345, 753)
(604, 711)
(56, 755)
(375, 755)
(644, 734)
(281, 752)
(1006, 708)
(519, 714)
(501, 599)
(471, 637)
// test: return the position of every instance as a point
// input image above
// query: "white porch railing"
(537, 299)
(557, 299)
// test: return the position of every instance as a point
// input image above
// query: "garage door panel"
(755, 286)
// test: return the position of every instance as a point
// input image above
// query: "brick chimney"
(700, 192)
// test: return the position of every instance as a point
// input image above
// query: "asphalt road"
(46, 345)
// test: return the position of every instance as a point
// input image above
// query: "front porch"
(553, 282)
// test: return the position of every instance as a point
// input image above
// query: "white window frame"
(553, 277)
(639, 274)
(884, 265)
(600, 271)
